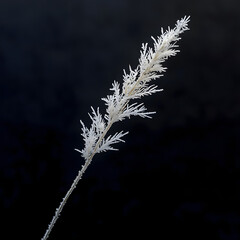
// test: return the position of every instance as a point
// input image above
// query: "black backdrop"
(177, 175)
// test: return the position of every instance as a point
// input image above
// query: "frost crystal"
(136, 84)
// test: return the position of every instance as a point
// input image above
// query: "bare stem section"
(136, 84)
(64, 200)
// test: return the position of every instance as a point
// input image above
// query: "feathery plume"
(136, 84)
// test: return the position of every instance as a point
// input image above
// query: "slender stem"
(60, 208)
(74, 184)
(88, 161)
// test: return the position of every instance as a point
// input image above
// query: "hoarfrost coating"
(136, 84)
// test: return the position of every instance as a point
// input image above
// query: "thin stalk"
(162, 44)
(87, 162)
(74, 184)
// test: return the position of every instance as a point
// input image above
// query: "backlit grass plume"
(137, 83)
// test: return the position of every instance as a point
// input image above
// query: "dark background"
(177, 175)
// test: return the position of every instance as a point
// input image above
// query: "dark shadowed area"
(178, 174)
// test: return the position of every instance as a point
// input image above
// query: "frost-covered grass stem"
(136, 84)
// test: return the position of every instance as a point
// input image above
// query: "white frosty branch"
(107, 143)
(136, 84)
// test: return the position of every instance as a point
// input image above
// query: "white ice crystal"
(136, 84)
